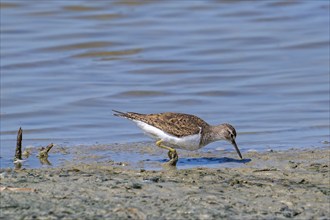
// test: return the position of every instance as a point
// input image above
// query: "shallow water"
(262, 66)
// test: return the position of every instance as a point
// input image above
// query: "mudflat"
(271, 185)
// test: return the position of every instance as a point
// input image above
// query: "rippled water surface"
(262, 66)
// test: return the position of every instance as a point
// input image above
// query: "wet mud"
(269, 185)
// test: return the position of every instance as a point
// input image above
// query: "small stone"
(302, 181)
(152, 179)
(137, 186)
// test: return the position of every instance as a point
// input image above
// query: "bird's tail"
(119, 114)
(128, 115)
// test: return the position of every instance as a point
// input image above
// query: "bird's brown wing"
(177, 124)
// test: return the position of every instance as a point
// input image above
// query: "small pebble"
(137, 186)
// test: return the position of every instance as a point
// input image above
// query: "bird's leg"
(171, 151)
(172, 154)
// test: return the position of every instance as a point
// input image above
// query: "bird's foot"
(173, 155)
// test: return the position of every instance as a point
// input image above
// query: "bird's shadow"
(208, 161)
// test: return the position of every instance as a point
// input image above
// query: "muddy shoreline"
(271, 185)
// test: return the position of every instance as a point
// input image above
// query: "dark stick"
(18, 152)
(49, 147)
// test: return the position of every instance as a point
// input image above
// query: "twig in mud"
(5, 188)
(43, 153)
(44, 161)
(18, 151)
(266, 169)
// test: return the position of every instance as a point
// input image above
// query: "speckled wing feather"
(177, 124)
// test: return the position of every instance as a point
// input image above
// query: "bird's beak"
(236, 148)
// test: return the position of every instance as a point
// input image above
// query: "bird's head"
(228, 133)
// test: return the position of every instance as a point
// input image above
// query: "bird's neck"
(211, 134)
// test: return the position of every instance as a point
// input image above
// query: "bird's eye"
(232, 136)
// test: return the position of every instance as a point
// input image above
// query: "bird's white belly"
(190, 142)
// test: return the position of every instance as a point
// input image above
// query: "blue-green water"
(262, 66)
